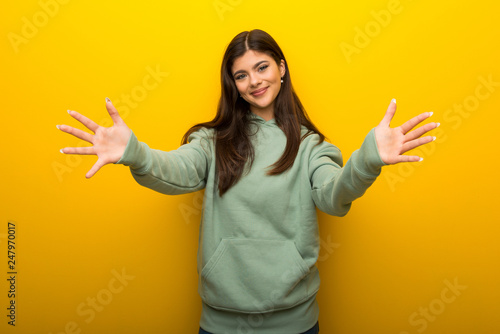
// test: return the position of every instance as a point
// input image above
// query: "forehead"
(249, 59)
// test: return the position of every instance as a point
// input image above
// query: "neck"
(267, 114)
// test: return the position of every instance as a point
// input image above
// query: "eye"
(238, 77)
(263, 67)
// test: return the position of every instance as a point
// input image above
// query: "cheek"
(238, 85)
(241, 87)
(274, 76)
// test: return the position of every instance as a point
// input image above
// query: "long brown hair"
(231, 123)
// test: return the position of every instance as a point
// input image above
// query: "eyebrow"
(254, 67)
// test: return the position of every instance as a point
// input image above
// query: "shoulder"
(202, 134)
(200, 140)
(315, 148)
(312, 140)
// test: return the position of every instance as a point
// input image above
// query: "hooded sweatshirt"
(259, 242)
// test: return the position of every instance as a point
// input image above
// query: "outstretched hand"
(393, 142)
(108, 143)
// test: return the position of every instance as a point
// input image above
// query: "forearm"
(174, 172)
(343, 185)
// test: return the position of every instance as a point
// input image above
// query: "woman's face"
(258, 79)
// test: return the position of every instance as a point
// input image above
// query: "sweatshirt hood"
(261, 121)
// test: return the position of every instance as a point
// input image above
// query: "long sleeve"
(334, 187)
(174, 172)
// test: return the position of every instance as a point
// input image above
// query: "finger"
(94, 169)
(407, 126)
(115, 116)
(78, 150)
(90, 124)
(409, 158)
(420, 131)
(76, 132)
(389, 114)
(416, 143)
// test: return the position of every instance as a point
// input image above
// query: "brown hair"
(231, 123)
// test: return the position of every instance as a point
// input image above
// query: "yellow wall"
(386, 267)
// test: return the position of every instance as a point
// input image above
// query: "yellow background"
(419, 228)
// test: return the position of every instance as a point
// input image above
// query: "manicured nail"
(438, 125)
(421, 159)
(108, 100)
(431, 113)
(61, 150)
(433, 138)
(57, 126)
(69, 111)
(393, 100)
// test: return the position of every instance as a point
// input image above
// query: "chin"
(262, 103)
(261, 106)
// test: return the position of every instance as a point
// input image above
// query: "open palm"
(108, 143)
(393, 142)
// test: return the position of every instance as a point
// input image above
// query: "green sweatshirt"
(259, 242)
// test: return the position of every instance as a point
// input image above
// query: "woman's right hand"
(108, 143)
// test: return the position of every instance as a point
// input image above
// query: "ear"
(282, 68)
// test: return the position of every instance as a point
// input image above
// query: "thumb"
(94, 168)
(389, 114)
(115, 116)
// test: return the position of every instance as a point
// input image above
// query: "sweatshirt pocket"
(254, 276)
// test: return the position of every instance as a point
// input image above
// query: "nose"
(255, 80)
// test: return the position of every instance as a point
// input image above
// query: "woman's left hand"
(393, 142)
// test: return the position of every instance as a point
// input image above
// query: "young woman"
(265, 169)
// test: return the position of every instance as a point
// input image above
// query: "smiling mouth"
(259, 92)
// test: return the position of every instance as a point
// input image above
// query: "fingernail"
(433, 138)
(438, 125)
(61, 150)
(57, 126)
(393, 100)
(108, 100)
(421, 159)
(431, 113)
(69, 111)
